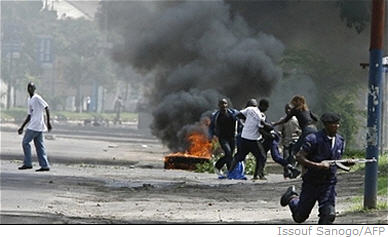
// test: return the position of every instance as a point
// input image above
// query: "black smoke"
(178, 113)
(198, 52)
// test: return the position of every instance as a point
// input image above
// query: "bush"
(355, 154)
(16, 114)
(208, 167)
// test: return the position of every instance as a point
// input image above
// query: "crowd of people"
(250, 130)
(301, 144)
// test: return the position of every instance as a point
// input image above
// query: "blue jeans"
(39, 146)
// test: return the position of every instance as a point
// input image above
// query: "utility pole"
(374, 102)
(384, 106)
(384, 122)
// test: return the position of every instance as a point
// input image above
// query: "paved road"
(78, 144)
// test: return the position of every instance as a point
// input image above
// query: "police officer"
(319, 178)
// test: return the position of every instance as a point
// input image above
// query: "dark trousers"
(299, 143)
(227, 145)
(287, 150)
(275, 154)
(325, 195)
(256, 148)
(238, 142)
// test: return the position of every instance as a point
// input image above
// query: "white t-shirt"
(36, 106)
(252, 123)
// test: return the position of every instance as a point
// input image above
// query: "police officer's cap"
(330, 117)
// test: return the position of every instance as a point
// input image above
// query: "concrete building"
(73, 9)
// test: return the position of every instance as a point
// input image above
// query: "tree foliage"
(355, 13)
(19, 21)
(338, 91)
(78, 44)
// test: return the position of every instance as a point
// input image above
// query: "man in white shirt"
(35, 129)
(250, 137)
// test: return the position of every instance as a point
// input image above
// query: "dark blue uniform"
(318, 184)
(275, 154)
(224, 127)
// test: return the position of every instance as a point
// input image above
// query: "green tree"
(355, 13)
(20, 20)
(79, 46)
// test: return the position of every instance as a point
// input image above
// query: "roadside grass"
(358, 207)
(19, 114)
(124, 116)
(14, 114)
(382, 188)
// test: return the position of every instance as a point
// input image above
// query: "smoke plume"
(198, 52)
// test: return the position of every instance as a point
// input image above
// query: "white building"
(73, 9)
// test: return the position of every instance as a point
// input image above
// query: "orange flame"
(200, 146)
